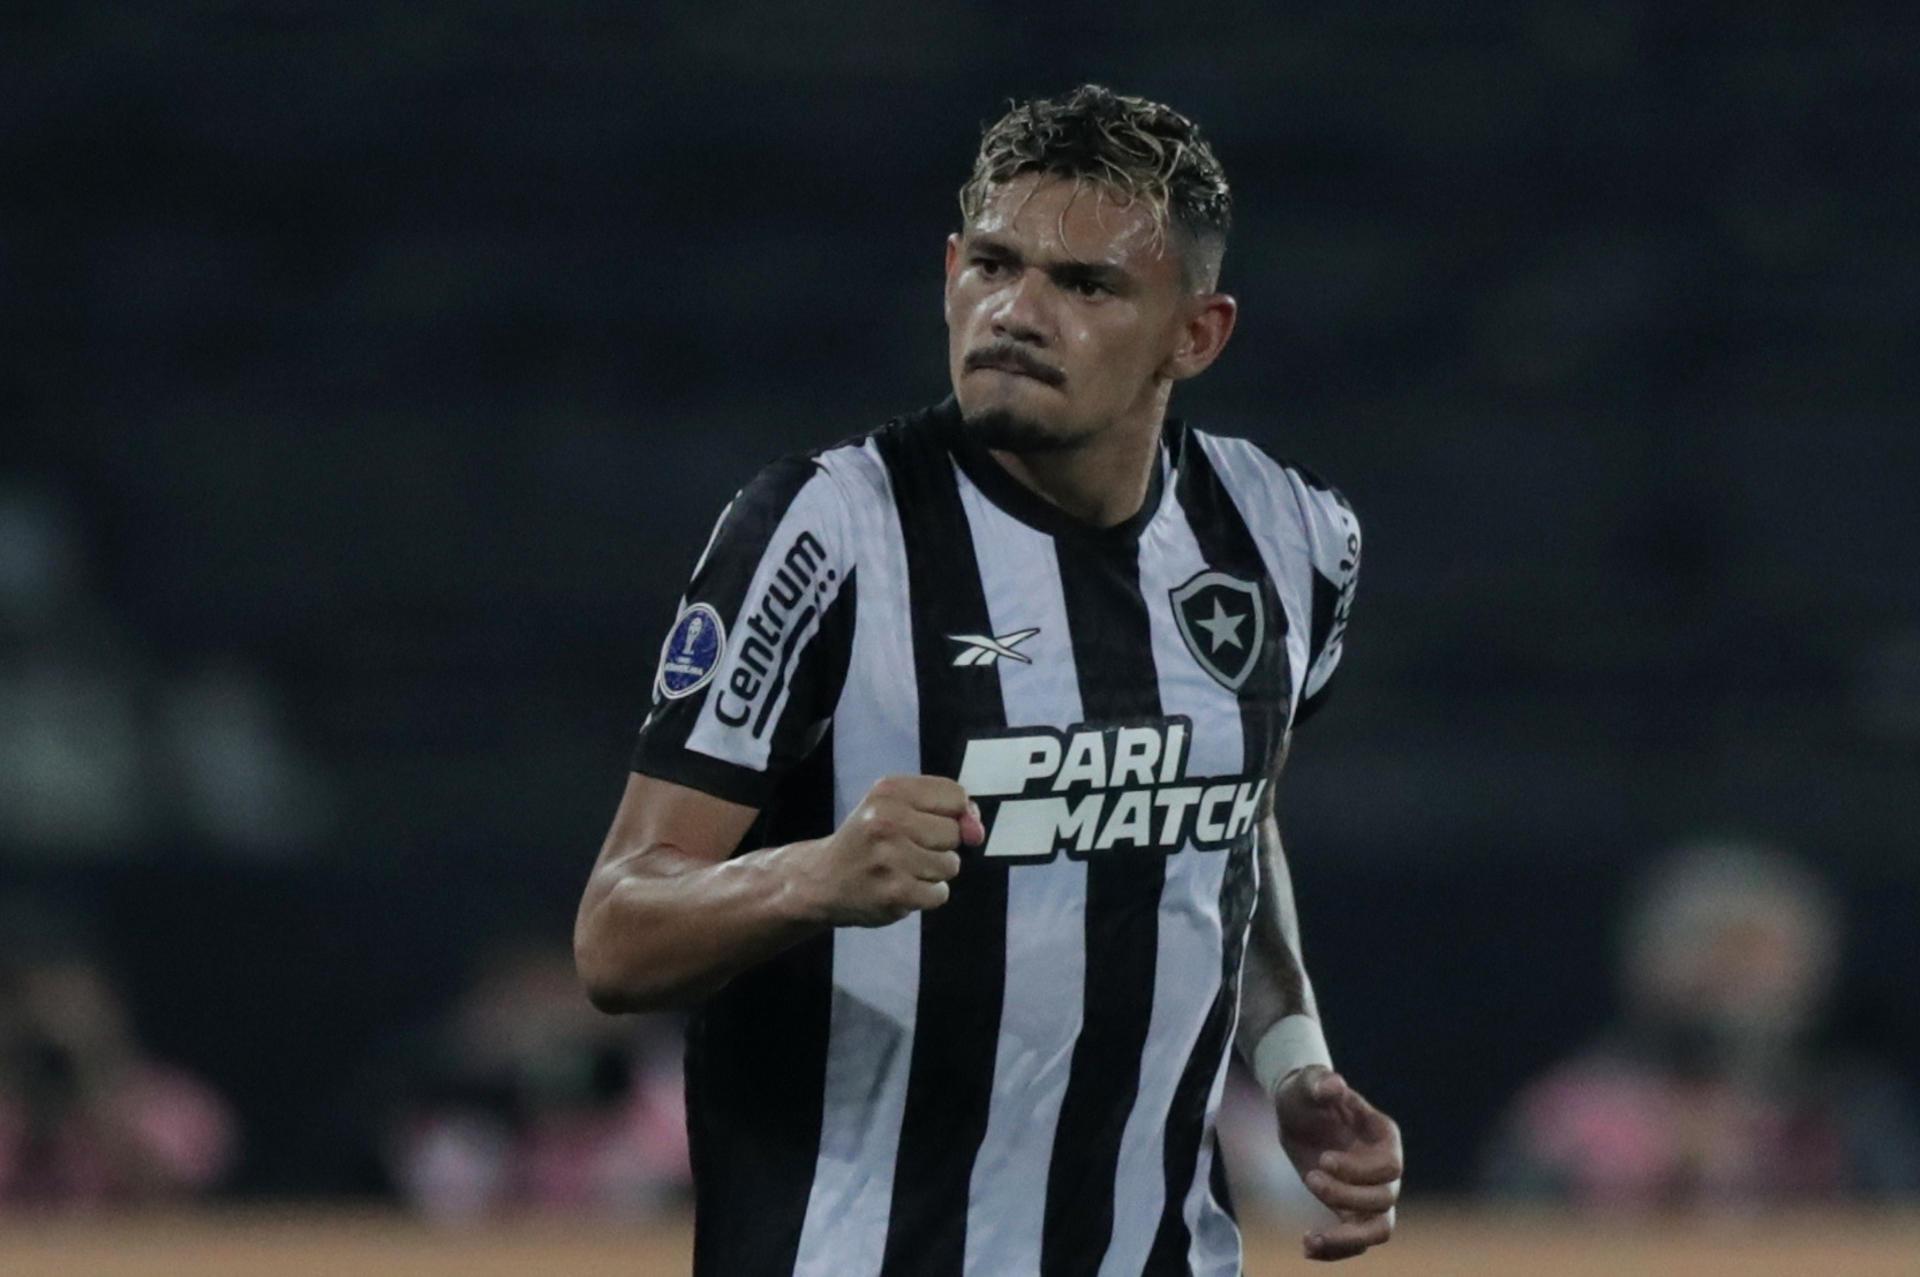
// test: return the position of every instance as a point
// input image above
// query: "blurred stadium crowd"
(374, 372)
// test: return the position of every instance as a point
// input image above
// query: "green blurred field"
(1433, 1241)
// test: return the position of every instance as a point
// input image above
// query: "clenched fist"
(894, 853)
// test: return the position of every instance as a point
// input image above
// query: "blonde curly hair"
(1133, 148)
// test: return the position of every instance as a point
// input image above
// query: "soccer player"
(953, 815)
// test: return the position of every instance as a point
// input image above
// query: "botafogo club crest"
(1224, 624)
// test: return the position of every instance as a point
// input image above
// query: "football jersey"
(1024, 1080)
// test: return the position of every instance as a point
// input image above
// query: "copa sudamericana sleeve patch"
(692, 653)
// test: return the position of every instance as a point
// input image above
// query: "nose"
(1020, 313)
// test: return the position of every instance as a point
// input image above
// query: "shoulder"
(781, 481)
(1245, 465)
(822, 491)
(1283, 500)
(856, 468)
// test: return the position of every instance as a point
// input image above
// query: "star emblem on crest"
(1224, 629)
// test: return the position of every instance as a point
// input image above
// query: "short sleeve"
(754, 662)
(1333, 550)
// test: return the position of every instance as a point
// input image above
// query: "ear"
(1207, 323)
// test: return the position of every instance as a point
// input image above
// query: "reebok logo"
(1093, 789)
(985, 649)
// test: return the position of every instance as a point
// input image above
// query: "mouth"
(1014, 362)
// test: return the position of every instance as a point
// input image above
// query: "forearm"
(660, 928)
(1274, 981)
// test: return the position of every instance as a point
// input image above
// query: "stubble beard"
(1004, 430)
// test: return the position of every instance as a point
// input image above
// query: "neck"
(1103, 481)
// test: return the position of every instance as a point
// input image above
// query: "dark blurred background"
(372, 374)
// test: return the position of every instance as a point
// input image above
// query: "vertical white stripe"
(1265, 499)
(1266, 502)
(876, 971)
(1189, 956)
(1213, 1248)
(1040, 1017)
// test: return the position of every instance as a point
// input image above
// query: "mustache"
(1014, 358)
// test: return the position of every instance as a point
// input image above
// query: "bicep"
(672, 825)
(663, 920)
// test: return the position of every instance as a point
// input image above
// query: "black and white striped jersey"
(1024, 1080)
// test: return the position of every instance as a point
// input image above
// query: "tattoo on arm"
(1275, 936)
(1275, 983)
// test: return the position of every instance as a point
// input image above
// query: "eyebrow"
(1066, 273)
(1112, 278)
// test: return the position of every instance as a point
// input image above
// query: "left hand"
(1348, 1153)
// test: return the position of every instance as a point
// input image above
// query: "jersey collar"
(1034, 510)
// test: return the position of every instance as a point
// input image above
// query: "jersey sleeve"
(1332, 532)
(757, 654)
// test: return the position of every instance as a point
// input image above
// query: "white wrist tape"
(1293, 1043)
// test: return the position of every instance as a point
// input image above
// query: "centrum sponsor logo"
(771, 632)
(1092, 789)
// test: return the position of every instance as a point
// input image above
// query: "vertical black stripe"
(818, 676)
(963, 943)
(1217, 1181)
(1113, 657)
(755, 1130)
(1187, 1115)
(1326, 597)
(1227, 545)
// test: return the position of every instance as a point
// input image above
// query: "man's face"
(1065, 313)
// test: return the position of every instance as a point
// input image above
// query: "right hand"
(895, 852)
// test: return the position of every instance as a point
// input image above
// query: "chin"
(1010, 430)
